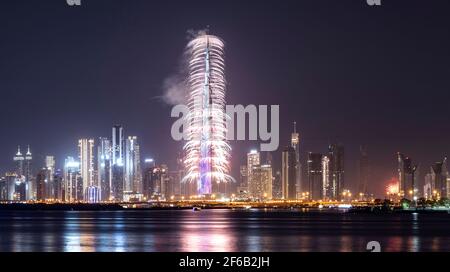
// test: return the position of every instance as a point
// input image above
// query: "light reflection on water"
(219, 230)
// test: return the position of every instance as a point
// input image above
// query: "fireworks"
(207, 151)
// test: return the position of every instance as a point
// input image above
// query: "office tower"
(289, 173)
(117, 144)
(20, 183)
(295, 143)
(86, 157)
(9, 186)
(260, 184)
(277, 191)
(19, 159)
(436, 182)
(315, 176)
(253, 159)
(58, 185)
(363, 180)
(104, 168)
(50, 165)
(117, 166)
(326, 180)
(42, 183)
(149, 165)
(73, 182)
(242, 189)
(407, 176)
(133, 175)
(207, 150)
(28, 174)
(336, 156)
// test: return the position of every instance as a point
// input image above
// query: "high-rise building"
(28, 174)
(295, 143)
(315, 176)
(73, 182)
(149, 165)
(86, 156)
(253, 159)
(436, 182)
(42, 183)
(407, 176)
(277, 192)
(58, 185)
(327, 177)
(336, 156)
(289, 173)
(260, 185)
(117, 165)
(104, 168)
(133, 175)
(156, 182)
(50, 165)
(8, 187)
(363, 180)
(19, 159)
(242, 189)
(20, 191)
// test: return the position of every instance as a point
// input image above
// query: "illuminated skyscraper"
(133, 175)
(86, 156)
(327, 177)
(104, 168)
(295, 143)
(253, 159)
(42, 184)
(207, 151)
(117, 165)
(49, 186)
(436, 182)
(20, 191)
(73, 183)
(260, 185)
(289, 173)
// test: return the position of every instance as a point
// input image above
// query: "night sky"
(345, 71)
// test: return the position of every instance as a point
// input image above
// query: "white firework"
(207, 151)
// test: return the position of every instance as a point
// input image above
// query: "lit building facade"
(133, 174)
(260, 185)
(315, 176)
(289, 173)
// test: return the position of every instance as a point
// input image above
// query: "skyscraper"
(336, 156)
(436, 182)
(207, 150)
(104, 168)
(73, 182)
(117, 166)
(42, 184)
(289, 173)
(49, 186)
(28, 174)
(149, 166)
(327, 193)
(253, 159)
(86, 156)
(295, 143)
(406, 176)
(260, 185)
(133, 175)
(315, 176)
(20, 191)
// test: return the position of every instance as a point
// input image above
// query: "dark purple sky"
(347, 72)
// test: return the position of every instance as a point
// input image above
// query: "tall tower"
(133, 176)
(117, 164)
(18, 159)
(28, 173)
(336, 156)
(117, 145)
(315, 176)
(288, 173)
(104, 168)
(295, 143)
(207, 151)
(86, 156)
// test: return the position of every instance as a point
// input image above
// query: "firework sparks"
(207, 151)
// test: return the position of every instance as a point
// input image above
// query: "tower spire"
(18, 151)
(28, 150)
(295, 127)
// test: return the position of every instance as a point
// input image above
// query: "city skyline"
(312, 82)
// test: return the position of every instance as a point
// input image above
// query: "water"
(220, 230)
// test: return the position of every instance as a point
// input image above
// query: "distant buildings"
(437, 181)
(407, 176)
